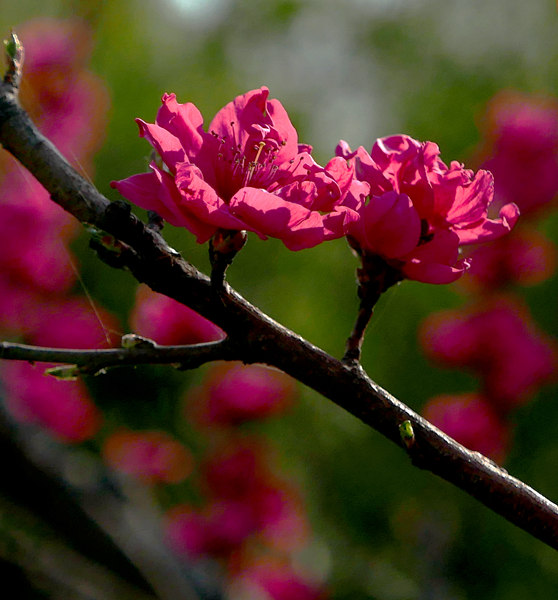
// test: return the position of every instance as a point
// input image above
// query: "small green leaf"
(12, 46)
(64, 372)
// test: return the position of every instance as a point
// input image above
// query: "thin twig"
(95, 361)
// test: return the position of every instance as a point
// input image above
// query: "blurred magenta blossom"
(471, 420)
(65, 99)
(71, 322)
(524, 257)
(268, 579)
(150, 456)
(521, 150)
(420, 211)
(168, 322)
(233, 393)
(500, 343)
(248, 172)
(243, 499)
(63, 407)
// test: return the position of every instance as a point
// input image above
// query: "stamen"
(254, 164)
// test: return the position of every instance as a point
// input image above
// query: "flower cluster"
(495, 337)
(37, 269)
(249, 173)
(419, 211)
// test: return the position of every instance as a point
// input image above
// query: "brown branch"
(260, 339)
(95, 361)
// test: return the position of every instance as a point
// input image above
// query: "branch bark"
(92, 362)
(257, 338)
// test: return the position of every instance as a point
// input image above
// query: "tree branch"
(94, 361)
(260, 339)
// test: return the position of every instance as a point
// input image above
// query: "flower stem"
(374, 278)
(223, 247)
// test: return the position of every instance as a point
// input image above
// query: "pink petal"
(338, 222)
(202, 201)
(184, 121)
(436, 261)
(268, 214)
(391, 225)
(471, 200)
(156, 191)
(490, 229)
(167, 145)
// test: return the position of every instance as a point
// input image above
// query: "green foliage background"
(357, 70)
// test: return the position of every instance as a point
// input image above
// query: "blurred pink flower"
(168, 322)
(34, 233)
(67, 102)
(525, 257)
(521, 149)
(235, 469)
(470, 419)
(151, 456)
(281, 517)
(420, 211)
(500, 342)
(19, 307)
(247, 173)
(218, 530)
(273, 580)
(74, 323)
(241, 471)
(234, 393)
(62, 407)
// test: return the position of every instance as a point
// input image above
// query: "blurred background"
(374, 526)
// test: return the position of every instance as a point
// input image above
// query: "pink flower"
(247, 173)
(68, 103)
(35, 233)
(235, 471)
(235, 393)
(280, 516)
(218, 530)
(499, 342)
(272, 580)
(521, 149)
(151, 456)
(420, 211)
(19, 307)
(469, 419)
(242, 473)
(62, 407)
(525, 257)
(168, 322)
(74, 323)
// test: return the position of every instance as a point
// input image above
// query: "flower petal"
(202, 201)
(490, 229)
(184, 121)
(436, 261)
(268, 214)
(167, 145)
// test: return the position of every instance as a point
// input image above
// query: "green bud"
(132, 340)
(12, 46)
(64, 372)
(407, 434)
